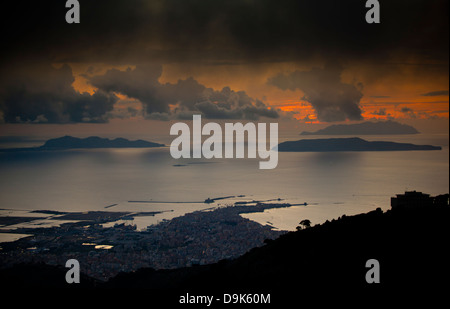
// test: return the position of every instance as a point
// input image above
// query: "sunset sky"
(132, 66)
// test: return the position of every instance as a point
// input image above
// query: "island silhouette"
(348, 144)
(70, 142)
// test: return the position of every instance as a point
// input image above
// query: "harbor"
(105, 245)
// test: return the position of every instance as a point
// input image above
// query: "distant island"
(366, 128)
(70, 142)
(348, 144)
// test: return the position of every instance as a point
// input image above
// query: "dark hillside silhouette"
(409, 243)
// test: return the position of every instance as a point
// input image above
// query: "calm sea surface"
(332, 184)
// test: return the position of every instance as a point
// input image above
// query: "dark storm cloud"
(226, 31)
(141, 83)
(206, 31)
(42, 93)
(249, 112)
(409, 112)
(332, 99)
(406, 110)
(182, 99)
(435, 93)
(380, 112)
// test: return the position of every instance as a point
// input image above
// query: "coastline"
(179, 242)
(327, 257)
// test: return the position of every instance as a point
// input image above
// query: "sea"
(150, 180)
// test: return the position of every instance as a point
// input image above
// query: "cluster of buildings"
(197, 238)
(201, 237)
(417, 200)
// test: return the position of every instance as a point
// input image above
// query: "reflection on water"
(37, 224)
(10, 237)
(103, 247)
(336, 158)
(336, 183)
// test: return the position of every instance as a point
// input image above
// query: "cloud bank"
(41, 93)
(436, 93)
(226, 30)
(182, 99)
(332, 99)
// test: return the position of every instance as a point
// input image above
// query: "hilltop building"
(414, 199)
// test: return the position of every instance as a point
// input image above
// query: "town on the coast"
(197, 238)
